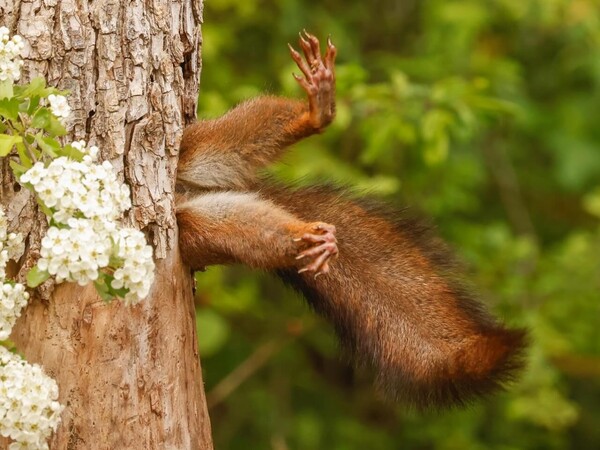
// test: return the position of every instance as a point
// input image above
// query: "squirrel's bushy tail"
(399, 307)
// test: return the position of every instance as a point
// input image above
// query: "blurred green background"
(484, 116)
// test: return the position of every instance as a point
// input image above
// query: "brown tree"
(130, 377)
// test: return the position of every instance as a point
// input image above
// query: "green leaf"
(55, 127)
(114, 260)
(44, 208)
(36, 87)
(17, 168)
(6, 143)
(102, 288)
(35, 90)
(23, 155)
(35, 277)
(9, 108)
(33, 105)
(8, 345)
(45, 120)
(70, 152)
(6, 89)
(41, 119)
(105, 289)
(122, 292)
(48, 145)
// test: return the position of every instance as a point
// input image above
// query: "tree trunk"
(130, 377)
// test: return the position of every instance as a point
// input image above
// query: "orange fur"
(393, 295)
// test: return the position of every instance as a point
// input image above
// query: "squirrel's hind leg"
(238, 227)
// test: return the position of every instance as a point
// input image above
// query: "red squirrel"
(387, 285)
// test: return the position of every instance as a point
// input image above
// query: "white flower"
(137, 271)
(75, 253)
(12, 295)
(70, 187)
(3, 261)
(78, 253)
(90, 153)
(29, 408)
(13, 299)
(79, 145)
(11, 246)
(15, 245)
(34, 174)
(59, 106)
(93, 152)
(10, 51)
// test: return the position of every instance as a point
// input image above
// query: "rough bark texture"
(130, 377)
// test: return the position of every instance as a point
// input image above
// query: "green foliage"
(105, 289)
(35, 277)
(7, 142)
(484, 116)
(23, 115)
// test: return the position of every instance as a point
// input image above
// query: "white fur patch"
(211, 170)
(219, 205)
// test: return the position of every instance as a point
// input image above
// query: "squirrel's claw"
(318, 80)
(330, 55)
(325, 248)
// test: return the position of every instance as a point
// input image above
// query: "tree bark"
(130, 377)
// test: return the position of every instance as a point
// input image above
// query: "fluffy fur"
(393, 295)
(399, 305)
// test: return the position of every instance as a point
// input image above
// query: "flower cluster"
(11, 245)
(59, 106)
(72, 188)
(10, 52)
(12, 295)
(79, 252)
(76, 253)
(85, 200)
(136, 273)
(29, 408)
(13, 299)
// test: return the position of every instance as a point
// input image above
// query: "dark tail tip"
(480, 367)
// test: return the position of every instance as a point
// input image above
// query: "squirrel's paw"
(323, 247)
(319, 78)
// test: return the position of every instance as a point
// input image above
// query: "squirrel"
(386, 282)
